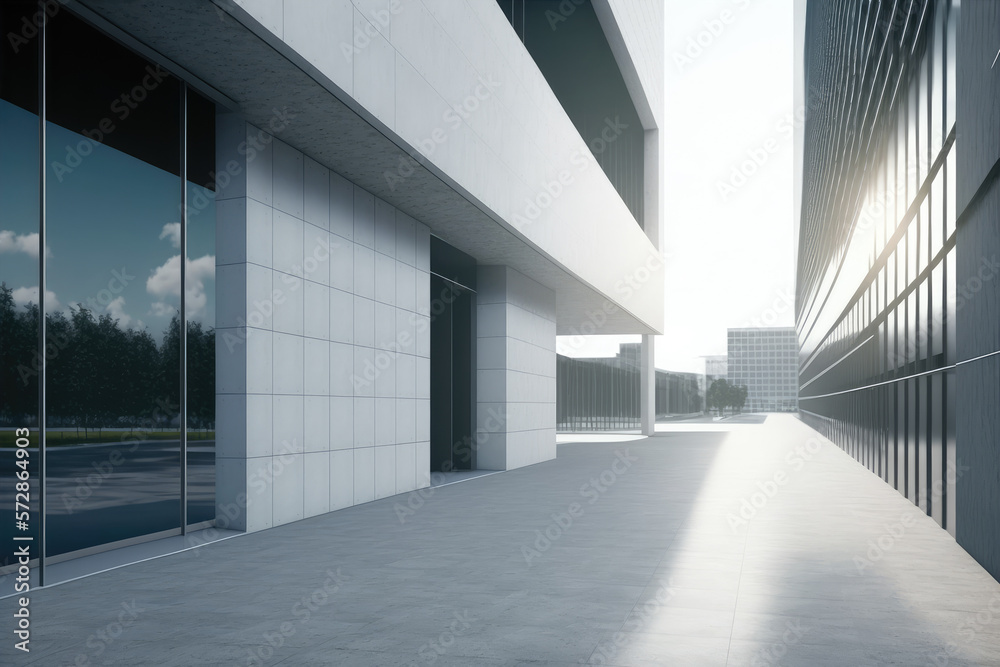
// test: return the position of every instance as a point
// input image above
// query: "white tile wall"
(317, 196)
(316, 484)
(317, 354)
(342, 422)
(516, 386)
(341, 479)
(364, 475)
(364, 271)
(385, 471)
(287, 243)
(316, 368)
(385, 279)
(406, 467)
(373, 68)
(316, 306)
(287, 499)
(288, 293)
(287, 178)
(341, 264)
(341, 316)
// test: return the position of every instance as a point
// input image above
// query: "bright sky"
(729, 99)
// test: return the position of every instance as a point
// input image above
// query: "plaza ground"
(707, 544)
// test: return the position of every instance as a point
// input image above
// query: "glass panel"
(113, 199)
(937, 213)
(923, 122)
(900, 176)
(950, 212)
(200, 302)
(937, 310)
(950, 307)
(19, 257)
(913, 157)
(922, 314)
(950, 62)
(938, 130)
(923, 242)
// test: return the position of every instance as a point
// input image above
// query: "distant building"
(766, 361)
(716, 368)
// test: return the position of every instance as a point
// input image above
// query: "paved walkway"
(627, 553)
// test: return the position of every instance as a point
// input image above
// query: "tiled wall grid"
(323, 343)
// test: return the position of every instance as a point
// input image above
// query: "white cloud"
(26, 243)
(160, 309)
(116, 309)
(164, 282)
(172, 230)
(24, 295)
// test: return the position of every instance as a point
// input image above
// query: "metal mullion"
(41, 297)
(182, 393)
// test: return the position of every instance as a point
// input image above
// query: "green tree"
(19, 360)
(718, 396)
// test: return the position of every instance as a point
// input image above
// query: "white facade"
(380, 124)
(322, 345)
(456, 89)
(516, 370)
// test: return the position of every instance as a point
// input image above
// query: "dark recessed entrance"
(453, 302)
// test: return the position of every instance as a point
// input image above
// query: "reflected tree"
(99, 373)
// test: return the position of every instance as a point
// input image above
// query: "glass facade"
(19, 271)
(129, 373)
(567, 43)
(603, 394)
(876, 276)
(765, 361)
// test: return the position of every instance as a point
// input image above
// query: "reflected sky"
(113, 230)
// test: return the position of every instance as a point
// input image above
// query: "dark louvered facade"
(899, 251)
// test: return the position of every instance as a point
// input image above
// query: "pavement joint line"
(135, 562)
(459, 481)
(205, 544)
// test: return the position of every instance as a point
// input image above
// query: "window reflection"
(113, 201)
(19, 256)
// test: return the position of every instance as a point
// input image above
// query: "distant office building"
(716, 368)
(897, 286)
(766, 361)
(629, 354)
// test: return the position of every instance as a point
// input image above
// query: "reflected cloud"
(24, 295)
(164, 282)
(26, 243)
(172, 231)
(116, 309)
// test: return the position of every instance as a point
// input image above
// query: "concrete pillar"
(515, 370)
(647, 387)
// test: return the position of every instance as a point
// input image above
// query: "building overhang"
(223, 46)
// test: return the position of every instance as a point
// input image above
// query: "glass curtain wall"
(878, 343)
(594, 395)
(19, 271)
(130, 369)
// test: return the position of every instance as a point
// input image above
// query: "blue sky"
(112, 226)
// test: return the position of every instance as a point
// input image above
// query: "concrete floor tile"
(651, 573)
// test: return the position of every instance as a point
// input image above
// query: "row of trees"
(722, 395)
(99, 374)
